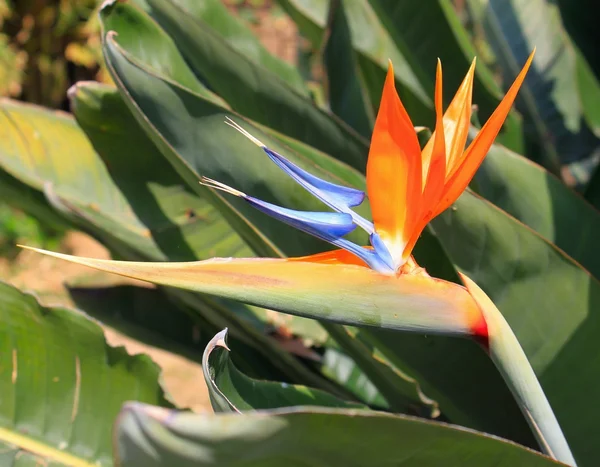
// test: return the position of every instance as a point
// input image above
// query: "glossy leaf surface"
(228, 71)
(560, 86)
(57, 369)
(146, 436)
(542, 202)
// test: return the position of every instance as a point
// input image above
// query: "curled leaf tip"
(220, 340)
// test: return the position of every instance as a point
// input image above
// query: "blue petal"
(382, 252)
(330, 193)
(371, 257)
(328, 226)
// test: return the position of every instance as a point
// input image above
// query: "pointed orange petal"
(457, 120)
(393, 171)
(436, 143)
(331, 257)
(478, 149)
(434, 178)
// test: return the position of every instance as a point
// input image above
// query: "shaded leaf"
(542, 202)
(550, 302)
(552, 96)
(191, 133)
(347, 92)
(592, 192)
(148, 43)
(402, 393)
(144, 313)
(215, 15)
(146, 436)
(374, 48)
(254, 91)
(341, 368)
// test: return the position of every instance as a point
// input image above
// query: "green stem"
(510, 359)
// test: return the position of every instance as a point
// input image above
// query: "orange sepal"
(457, 120)
(394, 171)
(332, 257)
(478, 149)
(434, 156)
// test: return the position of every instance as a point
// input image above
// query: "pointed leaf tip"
(343, 293)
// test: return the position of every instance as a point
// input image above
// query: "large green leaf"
(347, 91)
(57, 371)
(195, 139)
(556, 94)
(147, 436)
(381, 30)
(233, 31)
(542, 202)
(150, 44)
(255, 91)
(231, 390)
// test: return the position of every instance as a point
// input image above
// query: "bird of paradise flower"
(380, 285)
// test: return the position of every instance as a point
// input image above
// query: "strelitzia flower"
(379, 285)
(406, 186)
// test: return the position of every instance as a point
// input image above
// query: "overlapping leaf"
(215, 15)
(146, 436)
(561, 94)
(228, 72)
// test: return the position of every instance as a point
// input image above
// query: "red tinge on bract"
(408, 187)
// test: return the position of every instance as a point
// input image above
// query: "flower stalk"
(507, 354)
